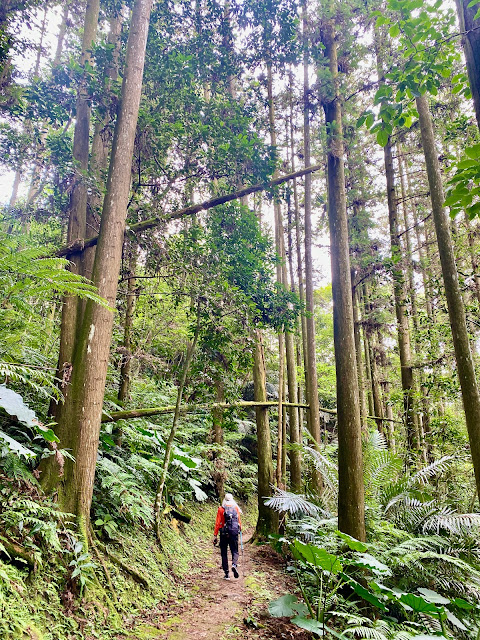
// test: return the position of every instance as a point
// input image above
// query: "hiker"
(229, 524)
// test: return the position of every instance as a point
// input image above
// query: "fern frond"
(292, 503)
(361, 631)
(435, 468)
(450, 521)
(325, 466)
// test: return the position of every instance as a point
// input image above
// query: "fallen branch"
(114, 416)
(77, 246)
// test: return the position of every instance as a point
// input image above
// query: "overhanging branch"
(79, 245)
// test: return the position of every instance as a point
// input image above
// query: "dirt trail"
(218, 609)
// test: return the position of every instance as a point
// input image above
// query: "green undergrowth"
(40, 606)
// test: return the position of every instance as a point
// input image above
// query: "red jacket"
(220, 521)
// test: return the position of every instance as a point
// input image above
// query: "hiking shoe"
(234, 571)
(226, 577)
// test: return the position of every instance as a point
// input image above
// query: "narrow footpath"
(218, 609)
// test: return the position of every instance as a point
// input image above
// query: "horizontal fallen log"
(115, 416)
(77, 246)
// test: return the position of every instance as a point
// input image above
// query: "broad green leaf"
(463, 604)
(14, 405)
(466, 164)
(433, 596)
(419, 604)
(308, 624)
(452, 618)
(319, 557)
(353, 543)
(394, 30)
(369, 120)
(360, 590)
(287, 606)
(473, 151)
(382, 138)
(367, 561)
(10, 445)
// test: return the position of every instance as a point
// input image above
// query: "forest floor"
(216, 609)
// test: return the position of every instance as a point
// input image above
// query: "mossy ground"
(40, 606)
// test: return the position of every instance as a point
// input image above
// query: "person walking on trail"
(229, 525)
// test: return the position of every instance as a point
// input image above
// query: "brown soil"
(217, 609)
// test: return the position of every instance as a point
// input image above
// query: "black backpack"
(232, 526)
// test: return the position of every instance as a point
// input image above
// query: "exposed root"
(108, 577)
(136, 575)
(17, 552)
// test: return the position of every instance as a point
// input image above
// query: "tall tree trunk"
(456, 312)
(358, 355)
(399, 286)
(423, 420)
(403, 328)
(101, 146)
(126, 362)
(77, 213)
(470, 29)
(61, 36)
(285, 341)
(311, 359)
(267, 522)
(351, 499)
(83, 405)
(217, 428)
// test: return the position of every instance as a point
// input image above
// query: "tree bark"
(311, 359)
(351, 500)
(77, 216)
(126, 362)
(217, 422)
(267, 522)
(83, 405)
(456, 312)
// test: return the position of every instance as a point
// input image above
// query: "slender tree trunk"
(351, 499)
(171, 436)
(126, 362)
(311, 359)
(83, 405)
(285, 341)
(301, 292)
(61, 36)
(267, 522)
(358, 355)
(456, 312)
(217, 422)
(403, 328)
(399, 286)
(77, 214)
(424, 261)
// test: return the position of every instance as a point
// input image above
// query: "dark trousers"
(225, 542)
